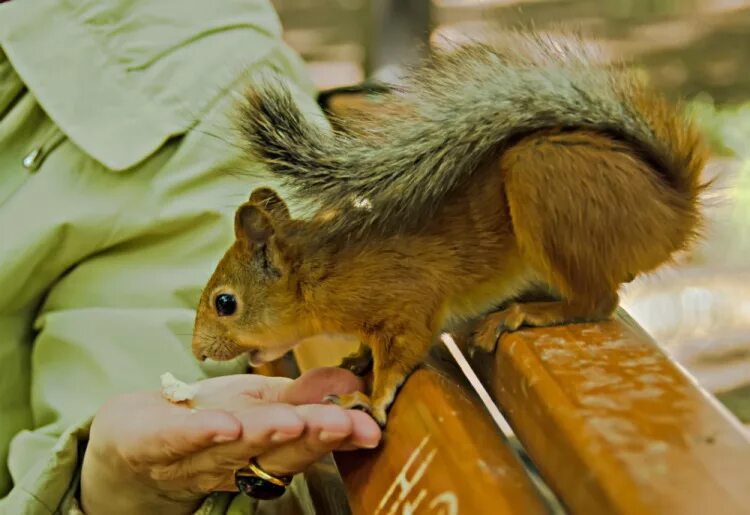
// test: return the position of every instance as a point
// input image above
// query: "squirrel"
(502, 170)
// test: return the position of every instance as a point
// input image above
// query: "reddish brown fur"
(575, 211)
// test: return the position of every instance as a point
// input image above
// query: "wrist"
(112, 488)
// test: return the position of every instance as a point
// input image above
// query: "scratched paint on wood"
(615, 425)
(407, 495)
(442, 455)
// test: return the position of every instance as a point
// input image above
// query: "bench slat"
(442, 453)
(615, 425)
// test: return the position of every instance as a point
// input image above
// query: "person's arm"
(122, 317)
(119, 319)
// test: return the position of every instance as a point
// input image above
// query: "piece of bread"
(176, 391)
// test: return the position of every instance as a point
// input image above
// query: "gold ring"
(254, 469)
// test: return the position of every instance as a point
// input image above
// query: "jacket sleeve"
(122, 317)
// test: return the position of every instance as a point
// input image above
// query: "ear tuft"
(269, 200)
(253, 224)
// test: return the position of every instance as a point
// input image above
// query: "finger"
(164, 432)
(326, 428)
(264, 426)
(190, 432)
(315, 384)
(365, 431)
(227, 485)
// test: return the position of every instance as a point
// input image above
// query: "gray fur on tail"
(457, 109)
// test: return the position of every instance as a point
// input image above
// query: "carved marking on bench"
(445, 503)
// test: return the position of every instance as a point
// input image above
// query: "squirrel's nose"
(198, 351)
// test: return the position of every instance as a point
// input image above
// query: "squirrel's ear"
(269, 200)
(252, 224)
(253, 227)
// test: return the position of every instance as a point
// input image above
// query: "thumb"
(312, 386)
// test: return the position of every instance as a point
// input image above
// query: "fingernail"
(281, 437)
(370, 445)
(327, 436)
(223, 438)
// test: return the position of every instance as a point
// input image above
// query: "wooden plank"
(441, 453)
(323, 351)
(615, 425)
(286, 366)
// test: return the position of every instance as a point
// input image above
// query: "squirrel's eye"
(225, 304)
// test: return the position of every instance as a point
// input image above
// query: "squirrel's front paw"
(360, 401)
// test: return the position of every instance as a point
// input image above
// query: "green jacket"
(117, 186)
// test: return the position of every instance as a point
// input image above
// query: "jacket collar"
(121, 78)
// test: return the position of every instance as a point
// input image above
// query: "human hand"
(147, 455)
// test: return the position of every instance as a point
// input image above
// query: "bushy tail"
(455, 111)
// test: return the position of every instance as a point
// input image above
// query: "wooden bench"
(611, 423)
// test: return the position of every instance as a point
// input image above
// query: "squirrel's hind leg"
(587, 215)
(540, 314)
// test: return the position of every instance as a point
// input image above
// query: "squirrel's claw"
(358, 401)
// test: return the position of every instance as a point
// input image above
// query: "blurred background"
(697, 50)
